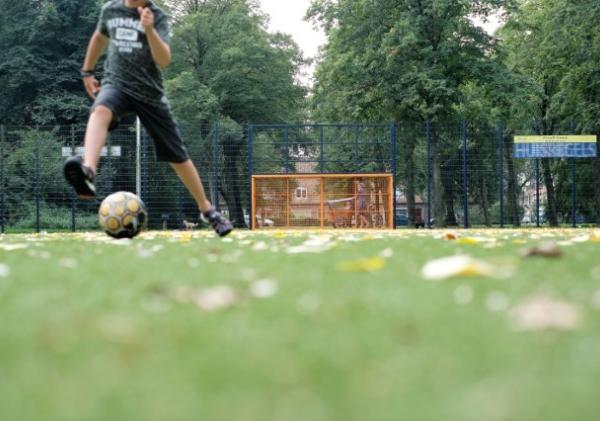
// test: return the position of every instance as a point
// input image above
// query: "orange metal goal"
(353, 201)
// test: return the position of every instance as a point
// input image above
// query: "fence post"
(356, 143)
(180, 204)
(574, 190)
(394, 158)
(2, 140)
(215, 167)
(537, 192)
(138, 157)
(71, 191)
(465, 174)
(286, 140)
(144, 167)
(37, 180)
(574, 183)
(109, 163)
(322, 148)
(250, 172)
(501, 171)
(428, 134)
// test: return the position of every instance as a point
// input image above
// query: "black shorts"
(158, 122)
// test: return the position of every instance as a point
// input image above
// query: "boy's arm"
(161, 52)
(96, 47)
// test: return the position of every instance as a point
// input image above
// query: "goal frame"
(388, 205)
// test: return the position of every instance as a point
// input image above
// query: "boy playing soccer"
(136, 33)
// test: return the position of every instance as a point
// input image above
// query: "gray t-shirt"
(129, 64)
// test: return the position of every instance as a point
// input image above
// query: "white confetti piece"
(387, 253)
(315, 244)
(496, 302)
(68, 263)
(145, 254)
(12, 247)
(4, 270)
(453, 266)
(463, 295)
(308, 304)
(260, 246)
(217, 298)
(543, 312)
(264, 288)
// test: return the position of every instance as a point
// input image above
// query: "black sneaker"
(220, 224)
(80, 177)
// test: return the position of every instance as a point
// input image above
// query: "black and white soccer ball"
(122, 215)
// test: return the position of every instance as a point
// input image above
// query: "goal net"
(353, 201)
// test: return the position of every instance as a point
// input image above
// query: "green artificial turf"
(99, 329)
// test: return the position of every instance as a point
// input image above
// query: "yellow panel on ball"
(127, 220)
(104, 209)
(112, 223)
(118, 197)
(133, 206)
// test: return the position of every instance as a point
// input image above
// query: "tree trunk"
(551, 193)
(511, 188)
(448, 194)
(409, 178)
(438, 188)
(485, 206)
(231, 189)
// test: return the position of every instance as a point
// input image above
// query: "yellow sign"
(556, 139)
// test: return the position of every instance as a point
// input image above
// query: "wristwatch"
(86, 73)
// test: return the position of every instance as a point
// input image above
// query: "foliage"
(42, 44)
(228, 68)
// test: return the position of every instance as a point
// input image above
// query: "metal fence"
(461, 174)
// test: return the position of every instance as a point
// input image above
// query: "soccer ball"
(122, 215)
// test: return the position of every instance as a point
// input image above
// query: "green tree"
(42, 44)
(227, 67)
(404, 61)
(554, 44)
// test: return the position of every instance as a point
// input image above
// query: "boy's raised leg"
(79, 172)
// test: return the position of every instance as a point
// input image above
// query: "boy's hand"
(146, 17)
(92, 86)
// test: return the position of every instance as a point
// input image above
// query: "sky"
(288, 16)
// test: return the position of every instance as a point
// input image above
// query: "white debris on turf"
(463, 295)
(314, 244)
(387, 253)
(260, 246)
(39, 254)
(68, 263)
(454, 266)
(496, 302)
(4, 270)
(308, 304)
(13, 247)
(216, 298)
(193, 262)
(263, 288)
(544, 312)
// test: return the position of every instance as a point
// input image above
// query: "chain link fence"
(459, 174)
